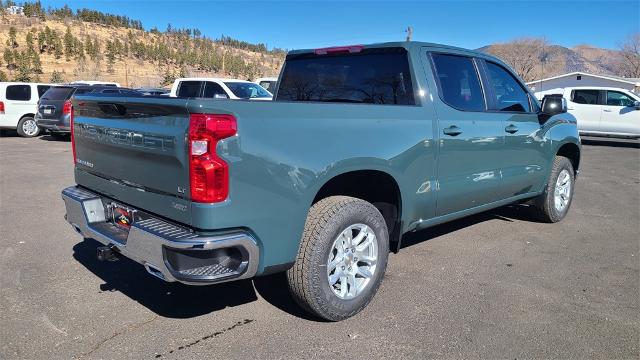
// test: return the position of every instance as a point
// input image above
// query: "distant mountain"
(558, 60)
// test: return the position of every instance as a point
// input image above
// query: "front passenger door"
(524, 156)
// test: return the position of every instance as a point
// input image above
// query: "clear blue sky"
(310, 24)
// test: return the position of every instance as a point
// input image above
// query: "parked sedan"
(610, 112)
(54, 107)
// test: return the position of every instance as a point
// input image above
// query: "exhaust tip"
(154, 271)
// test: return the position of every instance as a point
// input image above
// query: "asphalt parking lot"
(495, 285)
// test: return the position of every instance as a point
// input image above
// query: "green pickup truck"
(361, 145)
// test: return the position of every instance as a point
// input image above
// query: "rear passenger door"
(523, 159)
(586, 106)
(213, 90)
(471, 140)
(19, 102)
(189, 89)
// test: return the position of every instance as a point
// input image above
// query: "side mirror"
(554, 105)
(636, 104)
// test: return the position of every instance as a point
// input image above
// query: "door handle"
(511, 129)
(606, 110)
(452, 130)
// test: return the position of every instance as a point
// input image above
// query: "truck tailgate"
(124, 146)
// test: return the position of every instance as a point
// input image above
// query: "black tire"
(308, 280)
(544, 204)
(21, 130)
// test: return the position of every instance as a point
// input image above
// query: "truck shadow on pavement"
(174, 300)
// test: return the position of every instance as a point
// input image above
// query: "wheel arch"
(374, 185)
(571, 151)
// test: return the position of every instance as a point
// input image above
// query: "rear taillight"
(73, 138)
(66, 108)
(208, 173)
(1, 107)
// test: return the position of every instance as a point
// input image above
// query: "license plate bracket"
(121, 216)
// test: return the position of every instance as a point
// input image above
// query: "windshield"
(247, 90)
(57, 93)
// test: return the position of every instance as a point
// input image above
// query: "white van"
(19, 104)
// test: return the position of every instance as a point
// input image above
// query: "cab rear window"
(372, 76)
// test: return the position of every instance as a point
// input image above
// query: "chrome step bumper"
(168, 251)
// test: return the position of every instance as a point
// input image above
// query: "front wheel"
(342, 258)
(553, 204)
(27, 127)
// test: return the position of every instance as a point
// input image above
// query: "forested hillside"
(63, 45)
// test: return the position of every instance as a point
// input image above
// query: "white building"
(584, 79)
(15, 10)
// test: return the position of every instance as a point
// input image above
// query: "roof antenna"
(409, 32)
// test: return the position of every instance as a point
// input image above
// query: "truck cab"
(603, 111)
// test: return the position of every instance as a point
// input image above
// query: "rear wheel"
(342, 258)
(553, 204)
(27, 127)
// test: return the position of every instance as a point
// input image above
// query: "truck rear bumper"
(168, 251)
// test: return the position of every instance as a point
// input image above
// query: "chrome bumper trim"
(146, 239)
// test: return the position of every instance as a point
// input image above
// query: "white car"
(94, 83)
(601, 111)
(217, 88)
(268, 83)
(18, 106)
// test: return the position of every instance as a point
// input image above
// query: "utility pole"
(409, 32)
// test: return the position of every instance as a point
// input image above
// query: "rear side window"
(372, 76)
(212, 89)
(458, 82)
(42, 89)
(508, 92)
(189, 89)
(588, 97)
(57, 93)
(19, 92)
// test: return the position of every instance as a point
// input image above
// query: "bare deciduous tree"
(524, 55)
(630, 56)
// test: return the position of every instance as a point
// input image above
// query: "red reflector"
(208, 173)
(1, 107)
(339, 49)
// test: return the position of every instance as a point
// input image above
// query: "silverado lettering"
(124, 137)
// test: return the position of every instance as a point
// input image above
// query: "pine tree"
(68, 44)
(111, 56)
(11, 41)
(56, 77)
(8, 58)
